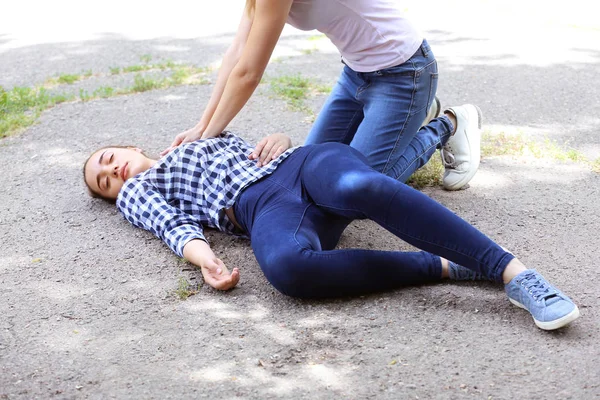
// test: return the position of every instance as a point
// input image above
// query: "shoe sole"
(467, 178)
(551, 325)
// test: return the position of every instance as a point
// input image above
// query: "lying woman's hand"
(270, 148)
(190, 135)
(217, 275)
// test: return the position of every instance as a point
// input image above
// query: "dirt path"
(88, 306)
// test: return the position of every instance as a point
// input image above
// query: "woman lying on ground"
(294, 210)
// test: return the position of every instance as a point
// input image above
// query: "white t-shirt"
(370, 34)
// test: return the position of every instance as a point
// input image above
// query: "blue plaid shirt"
(190, 188)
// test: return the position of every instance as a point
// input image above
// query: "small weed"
(428, 175)
(84, 95)
(146, 58)
(143, 84)
(115, 70)
(88, 73)
(185, 289)
(104, 92)
(135, 68)
(324, 89)
(596, 165)
(69, 79)
(294, 89)
(309, 51)
(179, 76)
(316, 37)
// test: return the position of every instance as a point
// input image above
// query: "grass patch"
(500, 144)
(68, 79)
(104, 92)
(185, 289)
(295, 89)
(143, 84)
(21, 106)
(136, 68)
(429, 174)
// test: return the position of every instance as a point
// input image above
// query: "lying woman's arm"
(215, 273)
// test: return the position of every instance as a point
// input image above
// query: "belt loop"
(424, 50)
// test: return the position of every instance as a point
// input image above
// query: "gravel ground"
(87, 302)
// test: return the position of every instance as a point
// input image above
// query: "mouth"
(124, 172)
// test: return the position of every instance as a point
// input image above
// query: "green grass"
(104, 92)
(68, 79)
(185, 289)
(501, 144)
(143, 84)
(145, 58)
(295, 89)
(21, 106)
(428, 175)
(136, 68)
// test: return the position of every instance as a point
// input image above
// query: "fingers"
(256, 152)
(176, 142)
(275, 152)
(219, 277)
(264, 155)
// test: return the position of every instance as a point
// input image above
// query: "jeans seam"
(298, 228)
(416, 158)
(401, 133)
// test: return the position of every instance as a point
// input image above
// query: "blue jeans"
(380, 114)
(296, 215)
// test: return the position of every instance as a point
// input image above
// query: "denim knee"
(287, 272)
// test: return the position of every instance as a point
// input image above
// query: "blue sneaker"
(550, 308)
(459, 273)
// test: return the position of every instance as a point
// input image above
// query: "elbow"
(248, 77)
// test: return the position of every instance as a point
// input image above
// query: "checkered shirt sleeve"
(147, 209)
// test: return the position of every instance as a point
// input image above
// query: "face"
(108, 169)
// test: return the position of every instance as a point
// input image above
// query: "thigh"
(284, 237)
(396, 104)
(341, 114)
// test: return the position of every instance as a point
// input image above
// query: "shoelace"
(537, 287)
(448, 159)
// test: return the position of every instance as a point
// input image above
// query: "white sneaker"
(462, 153)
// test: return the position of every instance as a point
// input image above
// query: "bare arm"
(232, 55)
(267, 23)
(214, 271)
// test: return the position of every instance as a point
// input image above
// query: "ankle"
(452, 119)
(445, 273)
(514, 268)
